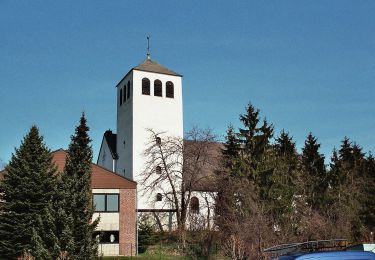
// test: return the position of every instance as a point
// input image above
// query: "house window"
(169, 90)
(107, 237)
(159, 197)
(158, 170)
(158, 89)
(145, 86)
(158, 140)
(106, 202)
(194, 205)
(120, 96)
(128, 89)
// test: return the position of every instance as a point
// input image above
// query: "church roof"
(111, 141)
(152, 66)
(149, 65)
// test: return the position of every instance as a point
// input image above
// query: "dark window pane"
(99, 202)
(128, 89)
(112, 202)
(158, 170)
(158, 91)
(159, 197)
(169, 90)
(194, 205)
(158, 140)
(145, 86)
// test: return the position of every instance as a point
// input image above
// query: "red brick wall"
(128, 221)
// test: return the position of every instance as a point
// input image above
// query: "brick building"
(115, 202)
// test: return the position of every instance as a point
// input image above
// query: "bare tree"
(175, 167)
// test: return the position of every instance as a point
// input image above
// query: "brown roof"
(101, 178)
(152, 66)
(205, 179)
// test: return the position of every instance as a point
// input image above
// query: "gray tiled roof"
(152, 66)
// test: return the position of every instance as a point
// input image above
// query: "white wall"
(141, 112)
(105, 158)
(125, 130)
(109, 249)
(205, 217)
(108, 220)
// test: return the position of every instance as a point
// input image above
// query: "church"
(149, 97)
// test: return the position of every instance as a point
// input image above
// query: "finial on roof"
(148, 48)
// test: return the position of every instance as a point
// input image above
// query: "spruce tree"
(314, 172)
(77, 180)
(27, 219)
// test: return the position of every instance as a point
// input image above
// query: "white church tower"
(148, 97)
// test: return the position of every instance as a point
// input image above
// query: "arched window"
(194, 205)
(158, 140)
(158, 89)
(169, 89)
(158, 170)
(124, 99)
(159, 197)
(145, 86)
(128, 89)
(120, 96)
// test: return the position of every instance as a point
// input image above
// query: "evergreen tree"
(314, 172)
(79, 208)
(254, 140)
(27, 194)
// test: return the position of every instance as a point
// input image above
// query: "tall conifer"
(314, 171)
(26, 219)
(77, 180)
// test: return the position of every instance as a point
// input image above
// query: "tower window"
(128, 89)
(158, 170)
(169, 90)
(145, 86)
(158, 89)
(120, 96)
(124, 99)
(158, 140)
(159, 197)
(194, 205)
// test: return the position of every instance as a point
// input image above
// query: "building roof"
(149, 65)
(101, 178)
(111, 141)
(205, 180)
(152, 66)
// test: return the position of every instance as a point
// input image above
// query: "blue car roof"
(331, 255)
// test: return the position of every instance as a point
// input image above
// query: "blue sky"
(307, 65)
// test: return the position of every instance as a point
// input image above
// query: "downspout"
(136, 220)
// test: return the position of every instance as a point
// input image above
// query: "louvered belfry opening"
(145, 86)
(158, 89)
(169, 89)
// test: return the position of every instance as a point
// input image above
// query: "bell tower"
(148, 97)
